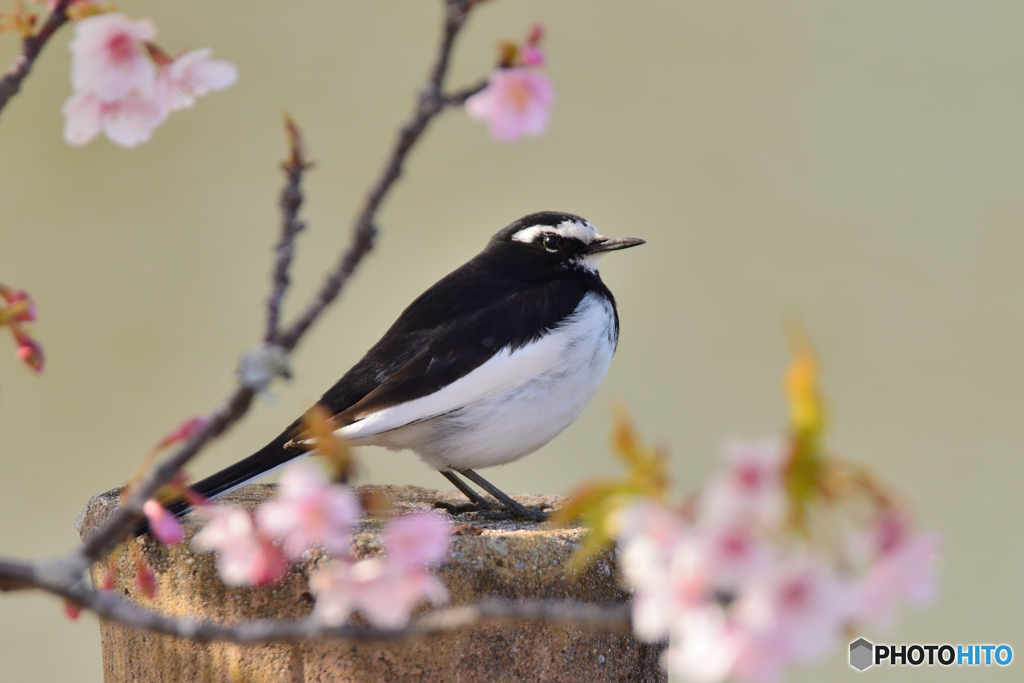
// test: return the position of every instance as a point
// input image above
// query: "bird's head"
(552, 239)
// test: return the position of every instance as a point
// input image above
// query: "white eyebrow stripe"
(584, 232)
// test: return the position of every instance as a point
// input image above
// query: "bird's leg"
(473, 496)
(514, 508)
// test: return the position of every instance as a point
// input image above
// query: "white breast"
(508, 407)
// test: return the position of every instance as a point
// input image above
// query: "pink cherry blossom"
(308, 511)
(107, 57)
(802, 607)
(758, 659)
(730, 554)
(162, 523)
(244, 556)
(128, 121)
(649, 536)
(383, 593)
(418, 539)
(653, 546)
(704, 647)
(752, 488)
(904, 571)
(193, 75)
(515, 103)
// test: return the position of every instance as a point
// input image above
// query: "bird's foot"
(465, 508)
(519, 512)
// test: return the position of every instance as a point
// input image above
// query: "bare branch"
(428, 105)
(31, 46)
(124, 519)
(364, 230)
(16, 575)
(65, 575)
(459, 97)
(291, 199)
(113, 606)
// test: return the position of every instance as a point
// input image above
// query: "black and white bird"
(483, 368)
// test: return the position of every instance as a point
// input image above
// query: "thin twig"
(129, 513)
(364, 229)
(429, 104)
(65, 575)
(113, 606)
(459, 97)
(16, 575)
(291, 199)
(31, 46)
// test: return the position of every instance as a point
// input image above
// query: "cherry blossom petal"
(650, 534)
(759, 659)
(515, 103)
(905, 572)
(751, 489)
(656, 565)
(703, 648)
(804, 605)
(244, 558)
(193, 75)
(130, 121)
(417, 539)
(389, 602)
(308, 511)
(83, 118)
(336, 591)
(731, 554)
(383, 593)
(107, 58)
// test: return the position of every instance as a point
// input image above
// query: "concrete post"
(506, 559)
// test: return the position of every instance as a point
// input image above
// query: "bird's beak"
(612, 243)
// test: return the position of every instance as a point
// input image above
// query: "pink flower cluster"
(517, 99)
(385, 589)
(16, 310)
(739, 595)
(310, 512)
(125, 86)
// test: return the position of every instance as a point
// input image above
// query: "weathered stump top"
(490, 556)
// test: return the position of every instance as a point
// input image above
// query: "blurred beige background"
(857, 164)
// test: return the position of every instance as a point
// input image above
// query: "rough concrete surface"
(510, 559)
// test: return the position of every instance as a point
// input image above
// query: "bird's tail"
(264, 461)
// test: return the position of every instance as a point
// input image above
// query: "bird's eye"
(552, 242)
